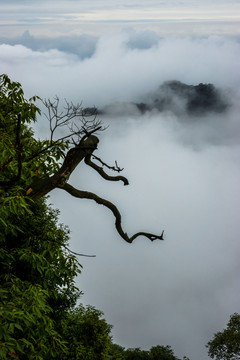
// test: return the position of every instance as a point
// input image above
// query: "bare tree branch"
(114, 168)
(75, 253)
(74, 156)
(100, 170)
(64, 118)
(118, 221)
(60, 140)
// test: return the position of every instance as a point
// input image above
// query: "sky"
(183, 168)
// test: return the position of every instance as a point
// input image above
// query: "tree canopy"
(225, 344)
(157, 352)
(87, 334)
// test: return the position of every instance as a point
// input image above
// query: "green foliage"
(226, 344)
(116, 352)
(13, 103)
(23, 158)
(36, 271)
(26, 325)
(155, 353)
(87, 334)
(161, 352)
(37, 285)
(136, 354)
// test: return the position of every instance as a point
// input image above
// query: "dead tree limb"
(83, 151)
(114, 168)
(118, 220)
(41, 187)
(100, 170)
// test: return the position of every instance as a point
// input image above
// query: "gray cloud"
(82, 45)
(184, 178)
(142, 40)
(201, 114)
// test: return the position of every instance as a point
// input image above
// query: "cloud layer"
(119, 71)
(184, 177)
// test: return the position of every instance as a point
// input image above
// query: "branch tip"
(118, 220)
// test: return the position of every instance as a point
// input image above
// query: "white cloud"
(116, 72)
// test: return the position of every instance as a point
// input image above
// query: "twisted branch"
(100, 170)
(114, 168)
(118, 220)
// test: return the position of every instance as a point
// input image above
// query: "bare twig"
(75, 253)
(100, 170)
(114, 168)
(65, 118)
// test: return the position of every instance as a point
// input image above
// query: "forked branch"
(65, 118)
(118, 220)
(114, 168)
(100, 170)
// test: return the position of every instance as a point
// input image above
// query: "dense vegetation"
(40, 318)
(226, 344)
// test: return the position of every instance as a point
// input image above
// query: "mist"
(118, 72)
(184, 176)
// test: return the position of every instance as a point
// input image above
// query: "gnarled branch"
(41, 187)
(114, 168)
(118, 220)
(100, 170)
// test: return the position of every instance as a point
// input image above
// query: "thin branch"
(69, 250)
(100, 170)
(6, 163)
(54, 143)
(88, 132)
(75, 253)
(114, 168)
(65, 118)
(40, 152)
(118, 221)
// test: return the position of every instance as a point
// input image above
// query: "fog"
(184, 177)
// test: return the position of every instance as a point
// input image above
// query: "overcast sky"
(97, 16)
(183, 170)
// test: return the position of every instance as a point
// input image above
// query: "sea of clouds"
(183, 172)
